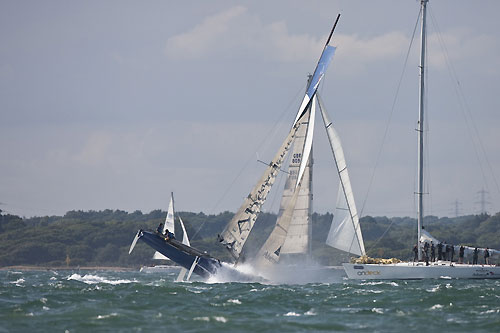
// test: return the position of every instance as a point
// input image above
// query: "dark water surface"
(132, 301)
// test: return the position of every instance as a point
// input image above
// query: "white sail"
(345, 232)
(185, 241)
(236, 232)
(185, 238)
(169, 220)
(169, 224)
(342, 234)
(269, 253)
(298, 239)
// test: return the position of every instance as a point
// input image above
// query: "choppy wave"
(132, 301)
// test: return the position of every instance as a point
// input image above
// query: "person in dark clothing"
(447, 252)
(486, 257)
(440, 251)
(160, 228)
(452, 252)
(461, 253)
(169, 235)
(415, 251)
(426, 250)
(433, 253)
(474, 256)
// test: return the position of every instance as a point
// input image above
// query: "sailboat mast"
(420, 130)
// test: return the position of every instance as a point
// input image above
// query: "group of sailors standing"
(448, 253)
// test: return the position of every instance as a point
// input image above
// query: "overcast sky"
(114, 104)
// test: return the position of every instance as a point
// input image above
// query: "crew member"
(169, 235)
(474, 256)
(415, 251)
(433, 252)
(452, 252)
(486, 256)
(461, 253)
(160, 228)
(447, 252)
(440, 251)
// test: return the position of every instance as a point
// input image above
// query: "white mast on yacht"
(420, 130)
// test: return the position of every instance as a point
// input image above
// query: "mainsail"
(345, 232)
(236, 232)
(169, 224)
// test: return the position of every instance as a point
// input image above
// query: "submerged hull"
(181, 254)
(410, 271)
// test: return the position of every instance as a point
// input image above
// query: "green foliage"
(102, 238)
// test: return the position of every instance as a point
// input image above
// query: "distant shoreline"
(70, 268)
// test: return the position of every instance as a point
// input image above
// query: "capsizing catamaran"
(236, 232)
(169, 226)
(419, 269)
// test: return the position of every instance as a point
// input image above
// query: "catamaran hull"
(182, 255)
(409, 271)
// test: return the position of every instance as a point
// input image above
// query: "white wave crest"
(95, 279)
(220, 319)
(113, 314)
(436, 307)
(310, 313)
(19, 282)
(291, 314)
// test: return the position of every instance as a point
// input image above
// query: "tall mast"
(420, 191)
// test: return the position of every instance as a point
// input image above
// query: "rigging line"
(377, 160)
(265, 139)
(464, 105)
(460, 99)
(386, 230)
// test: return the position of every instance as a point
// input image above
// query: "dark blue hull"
(181, 254)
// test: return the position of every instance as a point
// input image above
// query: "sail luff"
(306, 151)
(335, 237)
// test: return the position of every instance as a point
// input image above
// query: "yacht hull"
(411, 271)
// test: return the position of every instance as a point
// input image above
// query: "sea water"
(98, 301)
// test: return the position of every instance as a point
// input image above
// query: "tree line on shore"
(102, 238)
